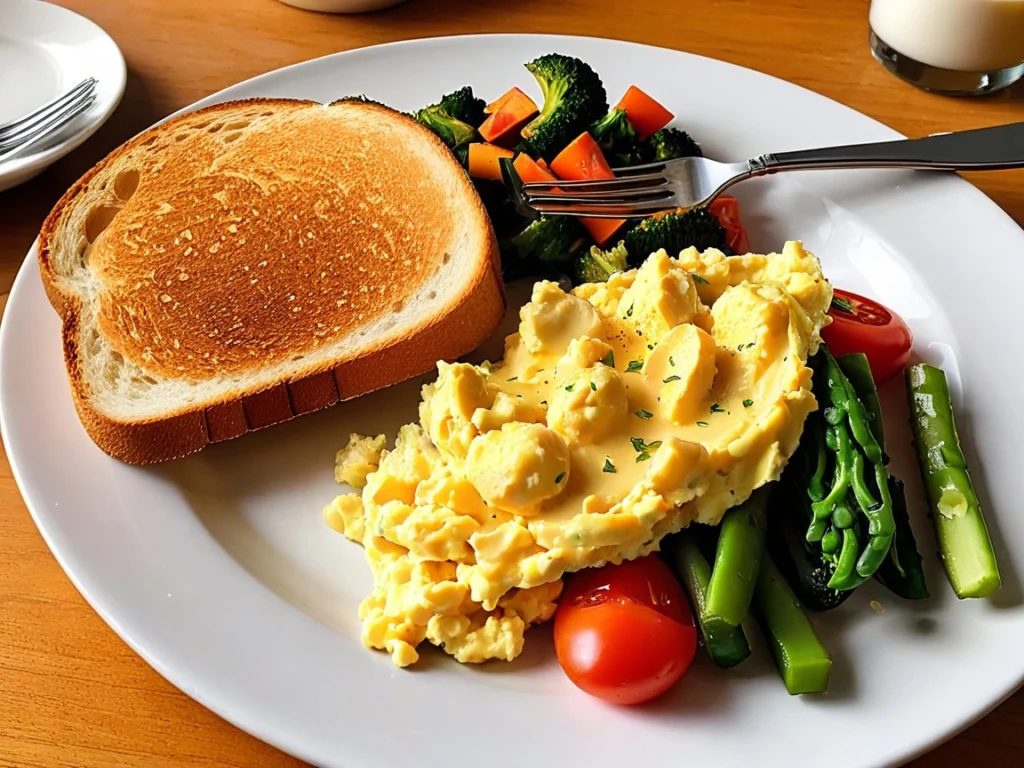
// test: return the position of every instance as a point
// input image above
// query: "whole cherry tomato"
(625, 632)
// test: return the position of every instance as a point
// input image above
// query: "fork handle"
(983, 149)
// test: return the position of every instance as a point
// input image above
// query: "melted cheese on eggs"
(622, 412)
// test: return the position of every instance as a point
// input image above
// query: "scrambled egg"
(622, 412)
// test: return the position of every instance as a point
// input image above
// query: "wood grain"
(71, 693)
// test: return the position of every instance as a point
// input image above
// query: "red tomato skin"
(727, 210)
(873, 329)
(625, 633)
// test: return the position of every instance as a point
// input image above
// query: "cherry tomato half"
(624, 633)
(862, 325)
(727, 210)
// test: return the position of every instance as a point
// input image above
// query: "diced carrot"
(645, 114)
(483, 160)
(497, 104)
(530, 170)
(543, 164)
(602, 229)
(514, 110)
(582, 160)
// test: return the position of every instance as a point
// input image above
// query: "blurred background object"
(956, 47)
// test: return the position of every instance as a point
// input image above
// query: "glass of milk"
(956, 47)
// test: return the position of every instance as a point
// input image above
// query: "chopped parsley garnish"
(543, 402)
(702, 424)
(643, 414)
(670, 378)
(641, 447)
(747, 403)
(513, 378)
(609, 467)
(560, 478)
(643, 457)
(569, 387)
(635, 366)
(716, 408)
(672, 361)
(609, 359)
(698, 279)
(838, 302)
(650, 346)
(629, 312)
(593, 386)
(751, 344)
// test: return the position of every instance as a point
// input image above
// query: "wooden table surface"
(71, 693)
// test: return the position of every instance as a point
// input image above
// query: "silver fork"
(48, 119)
(645, 190)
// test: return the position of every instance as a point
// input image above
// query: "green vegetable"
(617, 138)
(737, 559)
(674, 231)
(858, 492)
(964, 542)
(549, 241)
(596, 266)
(454, 120)
(855, 366)
(668, 144)
(727, 645)
(574, 96)
(902, 572)
(840, 466)
(799, 655)
(789, 513)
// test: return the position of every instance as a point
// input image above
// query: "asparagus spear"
(964, 543)
(726, 645)
(802, 660)
(737, 559)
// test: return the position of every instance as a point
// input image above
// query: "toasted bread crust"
(463, 325)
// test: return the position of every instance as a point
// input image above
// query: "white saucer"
(45, 51)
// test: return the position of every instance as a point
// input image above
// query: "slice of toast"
(253, 261)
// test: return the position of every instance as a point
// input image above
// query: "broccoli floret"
(464, 106)
(617, 138)
(670, 143)
(596, 266)
(549, 240)
(454, 120)
(675, 231)
(574, 96)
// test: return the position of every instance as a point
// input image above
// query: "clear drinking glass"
(956, 47)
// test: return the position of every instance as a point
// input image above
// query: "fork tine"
(607, 185)
(631, 170)
(31, 129)
(54, 124)
(601, 211)
(86, 86)
(585, 194)
(660, 194)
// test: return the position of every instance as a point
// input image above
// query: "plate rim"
(236, 712)
(24, 167)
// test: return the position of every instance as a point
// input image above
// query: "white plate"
(218, 570)
(46, 50)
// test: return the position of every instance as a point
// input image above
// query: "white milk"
(964, 35)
